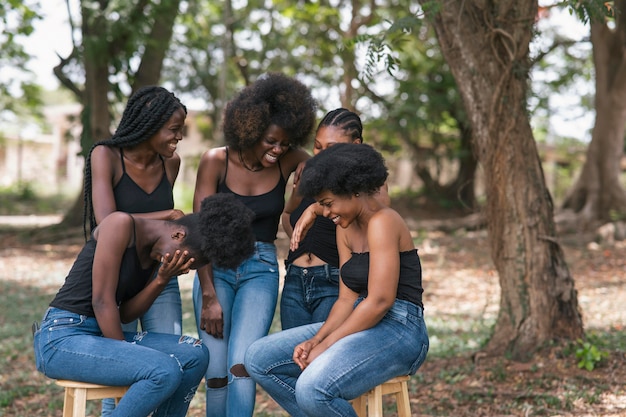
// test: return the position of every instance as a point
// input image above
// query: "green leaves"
(588, 355)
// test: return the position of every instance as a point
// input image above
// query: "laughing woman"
(113, 280)
(375, 330)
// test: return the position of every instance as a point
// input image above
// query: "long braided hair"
(346, 120)
(146, 112)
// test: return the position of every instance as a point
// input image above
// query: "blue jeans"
(164, 316)
(308, 294)
(163, 371)
(397, 345)
(248, 298)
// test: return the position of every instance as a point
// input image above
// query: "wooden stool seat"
(77, 394)
(370, 404)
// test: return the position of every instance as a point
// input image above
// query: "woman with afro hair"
(375, 330)
(115, 278)
(264, 127)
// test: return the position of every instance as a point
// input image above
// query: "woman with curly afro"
(311, 283)
(115, 278)
(375, 330)
(264, 127)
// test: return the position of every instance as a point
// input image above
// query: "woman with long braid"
(134, 171)
(312, 267)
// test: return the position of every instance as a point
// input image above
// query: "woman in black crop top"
(263, 127)
(375, 330)
(134, 171)
(116, 277)
(312, 267)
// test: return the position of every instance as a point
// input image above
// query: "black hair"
(344, 119)
(273, 99)
(221, 232)
(344, 169)
(147, 110)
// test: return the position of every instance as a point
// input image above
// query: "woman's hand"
(305, 352)
(302, 226)
(212, 318)
(175, 214)
(174, 265)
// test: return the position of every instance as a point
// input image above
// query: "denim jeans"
(308, 294)
(397, 345)
(163, 371)
(164, 316)
(248, 298)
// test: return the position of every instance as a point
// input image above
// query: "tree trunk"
(486, 45)
(97, 56)
(598, 190)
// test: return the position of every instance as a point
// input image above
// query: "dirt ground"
(461, 285)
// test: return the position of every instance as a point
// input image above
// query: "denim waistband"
(326, 268)
(400, 307)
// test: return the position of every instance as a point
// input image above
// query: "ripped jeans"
(163, 371)
(248, 297)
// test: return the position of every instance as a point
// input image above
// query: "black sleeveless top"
(76, 293)
(320, 239)
(354, 273)
(267, 207)
(131, 198)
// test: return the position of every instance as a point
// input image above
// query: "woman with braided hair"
(134, 171)
(263, 127)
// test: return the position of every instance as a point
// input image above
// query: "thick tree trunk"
(486, 45)
(598, 190)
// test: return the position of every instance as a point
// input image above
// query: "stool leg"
(360, 405)
(375, 402)
(80, 402)
(68, 402)
(403, 402)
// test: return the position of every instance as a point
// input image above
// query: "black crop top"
(267, 207)
(320, 239)
(131, 198)
(76, 293)
(354, 273)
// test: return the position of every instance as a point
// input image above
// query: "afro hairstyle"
(273, 99)
(221, 231)
(344, 169)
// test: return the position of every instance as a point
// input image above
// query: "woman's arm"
(114, 235)
(209, 174)
(292, 204)
(171, 265)
(383, 237)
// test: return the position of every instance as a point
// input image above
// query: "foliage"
(589, 355)
(19, 93)
(591, 10)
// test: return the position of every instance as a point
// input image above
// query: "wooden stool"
(77, 394)
(370, 404)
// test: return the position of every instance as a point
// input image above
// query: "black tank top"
(131, 198)
(354, 273)
(76, 293)
(267, 207)
(320, 240)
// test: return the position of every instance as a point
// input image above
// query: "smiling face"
(166, 139)
(273, 144)
(342, 210)
(327, 136)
